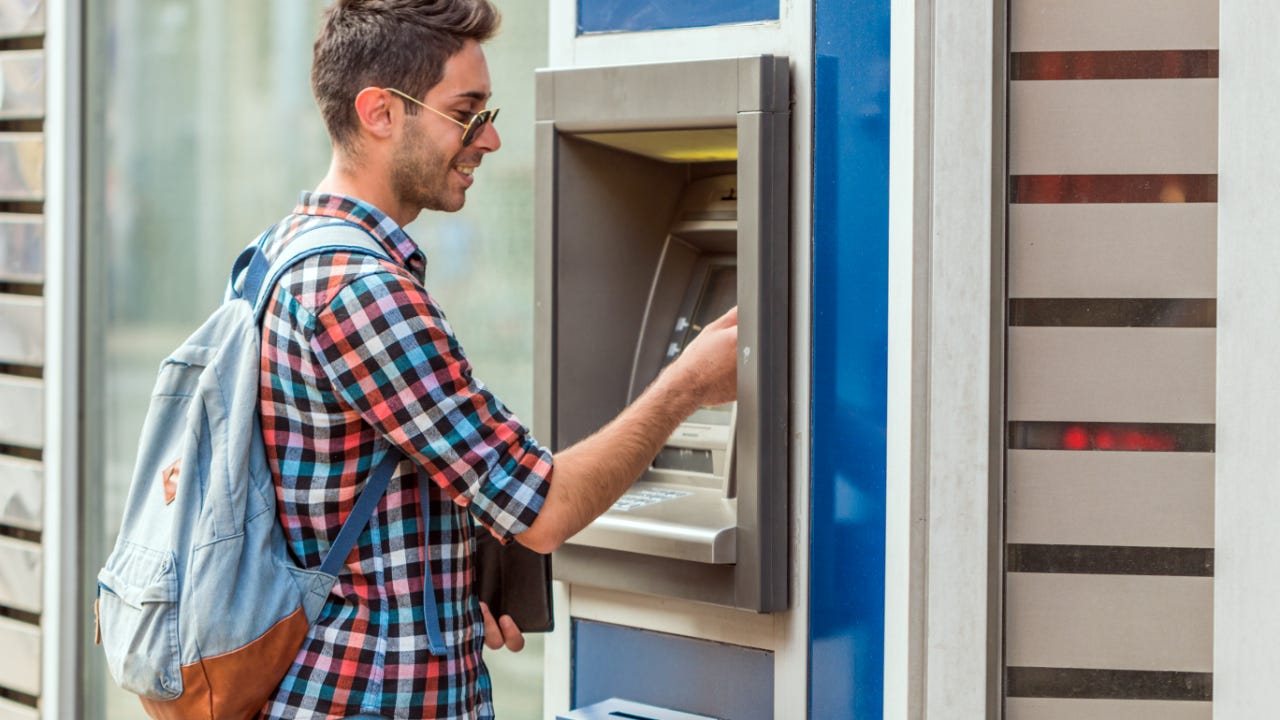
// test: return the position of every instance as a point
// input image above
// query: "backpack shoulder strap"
(340, 236)
(360, 513)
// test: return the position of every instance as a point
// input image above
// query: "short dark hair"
(389, 43)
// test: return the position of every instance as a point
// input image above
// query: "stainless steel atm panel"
(684, 506)
(662, 200)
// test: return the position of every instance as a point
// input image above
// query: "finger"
(511, 632)
(492, 635)
(729, 319)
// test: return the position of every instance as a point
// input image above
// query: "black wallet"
(514, 580)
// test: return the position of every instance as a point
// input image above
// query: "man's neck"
(343, 178)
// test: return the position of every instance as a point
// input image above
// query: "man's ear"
(375, 108)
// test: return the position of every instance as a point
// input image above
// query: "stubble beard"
(420, 176)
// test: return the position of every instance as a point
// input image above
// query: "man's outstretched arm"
(592, 474)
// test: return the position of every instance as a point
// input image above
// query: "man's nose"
(488, 139)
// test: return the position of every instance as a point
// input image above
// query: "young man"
(358, 359)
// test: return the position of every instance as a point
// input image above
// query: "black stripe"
(23, 616)
(25, 371)
(23, 42)
(32, 536)
(1114, 312)
(21, 288)
(22, 207)
(21, 452)
(1097, 436)
(19, 697)
(24, 125)
(1109, 560)
(1076, 683)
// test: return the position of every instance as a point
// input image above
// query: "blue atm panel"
(680, 673)
(850, 361)
(635, 15)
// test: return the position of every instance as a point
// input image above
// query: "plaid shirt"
(358, 357)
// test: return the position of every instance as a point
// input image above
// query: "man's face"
(430, 168)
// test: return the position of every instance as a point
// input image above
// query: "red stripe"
(1113, 65)
(1113, 188)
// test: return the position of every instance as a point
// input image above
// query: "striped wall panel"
(20, 661)
(21, 493)
(1110, 386)
(1114, 250)
(1128, 499)
(1073, 709)
(1097, 25)
(22, 355)
(21, 248)
(1111, 374)
(21, 84)
(22, 18)
(10, 710)
(21, 166)
(1070, 127)
(1132, 622)
(21, 330)
(21, 412)
(20, 575)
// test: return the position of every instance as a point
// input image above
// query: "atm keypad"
(650, 496)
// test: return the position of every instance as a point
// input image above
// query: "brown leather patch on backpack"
(170, 477)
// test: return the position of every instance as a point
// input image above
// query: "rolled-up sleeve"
(389, 353)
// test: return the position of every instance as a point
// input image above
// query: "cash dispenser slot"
(662, 203)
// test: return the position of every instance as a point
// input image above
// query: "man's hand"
(594, 473)
(710, 362)
(500, 633)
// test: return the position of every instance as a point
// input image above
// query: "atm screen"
(717, 295)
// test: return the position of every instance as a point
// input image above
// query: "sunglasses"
(470, 128)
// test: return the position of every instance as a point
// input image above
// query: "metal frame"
(944, 586)
(965, 367)
(999, 324)
(63, 622)
(1246, 657)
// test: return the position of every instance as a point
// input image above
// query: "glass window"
(200, 132)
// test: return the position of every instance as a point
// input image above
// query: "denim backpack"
(201, 609)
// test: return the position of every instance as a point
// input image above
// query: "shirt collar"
(392, 237)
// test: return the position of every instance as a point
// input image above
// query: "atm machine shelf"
(679, 522)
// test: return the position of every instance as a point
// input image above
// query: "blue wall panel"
(669, 671)
(850, 340)
(631, 15)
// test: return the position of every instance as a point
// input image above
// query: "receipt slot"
(662, 201)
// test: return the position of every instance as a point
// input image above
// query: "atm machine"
(662, 202)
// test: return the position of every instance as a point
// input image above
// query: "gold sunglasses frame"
(470, 129)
